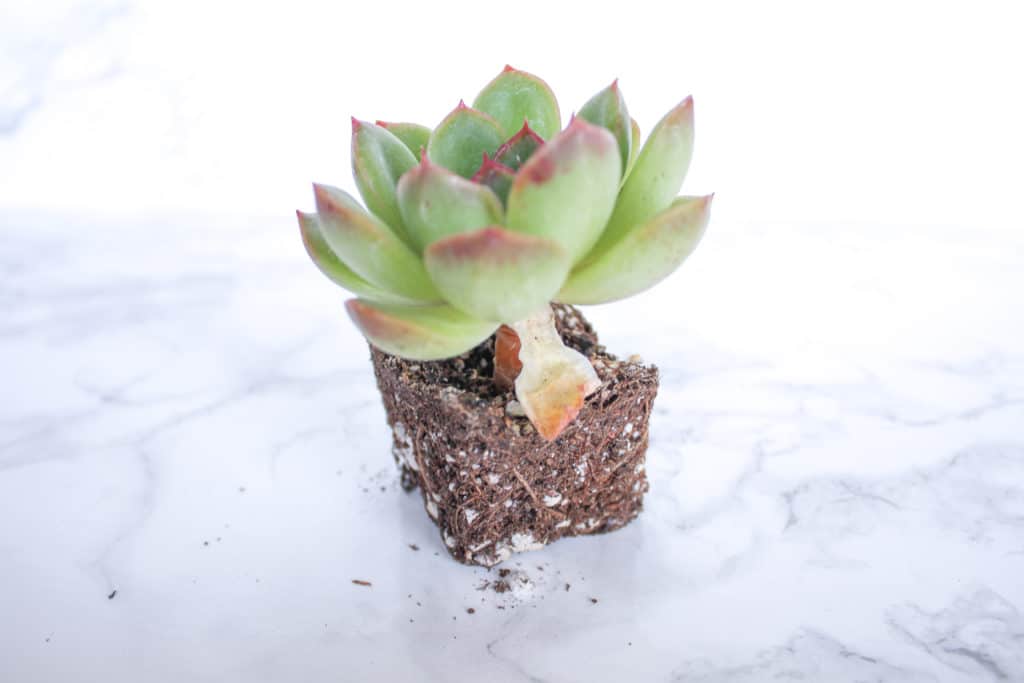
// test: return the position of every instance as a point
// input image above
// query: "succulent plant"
(483, 221)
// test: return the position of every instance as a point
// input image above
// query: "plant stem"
(506, 358)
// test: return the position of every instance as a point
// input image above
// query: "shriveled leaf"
(378, 160)
(369, 248)
(518, 148)
(496, 274)
(514, 97)
(413, 135)
(643, 258)
(462, 138)
(436, 203)
(418, 332)
(566, 191)
(656, 176)
(333, 267)
(495, 176)
(608, 110)
(554, 379)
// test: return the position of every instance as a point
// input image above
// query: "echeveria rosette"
(498, 211)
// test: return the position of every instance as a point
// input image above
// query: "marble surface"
(194, 468)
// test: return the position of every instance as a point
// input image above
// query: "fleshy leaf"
(436, 203)
(418, 332)
(495, 176)
(333, 267)
(644, 257)
(462, 138)
(514, 97)
(378, 160)
(518, 148)
(413, 135)
(656, 176)
(566, 191)
(369, 248)
(608, 110)
(496, 274)
(634, 148)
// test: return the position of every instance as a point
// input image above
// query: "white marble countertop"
(194, 468)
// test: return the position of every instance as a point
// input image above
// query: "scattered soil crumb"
(593, 600)
(206, 543)
(567, 588)
(469, 610)
(113, 594)
(504, 572)
(360, 582)
(413, 546)
(241, 489)
(501, 586)
(501, 607)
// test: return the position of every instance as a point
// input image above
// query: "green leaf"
(515, 96)
(518, 148)
(496, 274)
(369, 248)
(608, 110)
(378, 160)
(413, 135)
(462, 138)
(496, 176)
(333, 267)
(656, 176)
(567, 189)
(642, 258)
(436, 203)
(634, 148)
(418, 332)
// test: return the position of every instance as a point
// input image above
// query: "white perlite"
(628, 429)
(470, 515)
(552, 499)
(524, 542)
(449, 540)
(514, 409)
(432, 509)
(405, 454)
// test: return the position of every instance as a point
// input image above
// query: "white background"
(883, 112)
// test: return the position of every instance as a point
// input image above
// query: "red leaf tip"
(382, 124)
(356, 124)
(615, 85)
(508, 67)
(462, 105)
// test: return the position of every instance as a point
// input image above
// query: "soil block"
(490, 482)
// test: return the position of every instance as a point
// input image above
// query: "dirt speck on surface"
(113, 594)
(360, 582)
(504, 572)
(593, 600)
(413, 546)
(567, 586)
(470, 610)
(501, 586)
